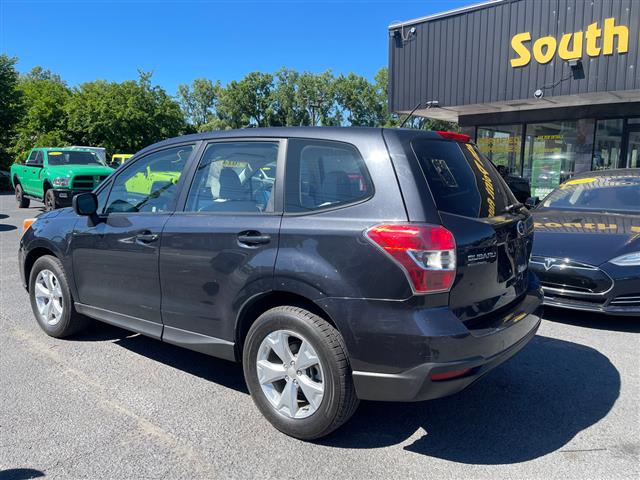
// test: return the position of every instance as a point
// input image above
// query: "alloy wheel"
(290, 374)
(48, 295)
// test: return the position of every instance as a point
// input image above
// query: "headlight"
(61, 182)
(628, 260)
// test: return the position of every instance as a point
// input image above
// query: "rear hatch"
(493, 234)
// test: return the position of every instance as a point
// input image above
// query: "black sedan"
(586, 250)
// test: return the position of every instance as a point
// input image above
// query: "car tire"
(316, 414)
(51, 299)
(50, 202)
(21, 200)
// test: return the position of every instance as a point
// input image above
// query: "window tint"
(323, 174)
(461, 180)
(619, 194)
(150, 184)
(235, 177)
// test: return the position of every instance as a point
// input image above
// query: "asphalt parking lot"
(112, 404)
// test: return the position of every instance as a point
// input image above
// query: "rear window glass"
(461, 180)
(73, 157)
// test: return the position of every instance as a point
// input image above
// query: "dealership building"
(546, 88)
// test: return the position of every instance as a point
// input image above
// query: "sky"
(220, 40)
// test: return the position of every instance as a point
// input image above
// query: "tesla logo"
(549, 262)
(520, 228)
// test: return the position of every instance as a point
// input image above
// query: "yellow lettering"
(635, 229)
(611, 31)
(553, 225)
(563, 48)
(544, 56)
(592, 36)
(541, 225)
(611, 226)
(589, 226)
(524, 56)
(573, 225)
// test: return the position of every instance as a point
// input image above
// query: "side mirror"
(531, 202)
(85, 204)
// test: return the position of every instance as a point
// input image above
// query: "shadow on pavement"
(527, 408)
(20, 474)
(7, 228)
(3, 216)
(593, 320)
(227, 374)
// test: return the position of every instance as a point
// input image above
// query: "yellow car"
(118, 159)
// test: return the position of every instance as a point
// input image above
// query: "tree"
(44, 121)
(360, 100)
(248, 102)
(11, 106)
(123, 117)
(199, 101)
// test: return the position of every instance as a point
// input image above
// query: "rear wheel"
(21, 200)
(50, 200)
(51, 299)
(297, 369)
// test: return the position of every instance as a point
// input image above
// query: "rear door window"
(461, 180)
(324, 174)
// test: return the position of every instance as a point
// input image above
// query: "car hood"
(587, 237)
(74, 170)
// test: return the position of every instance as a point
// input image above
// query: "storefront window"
(554, 151)
(501, 145)
(606, 153)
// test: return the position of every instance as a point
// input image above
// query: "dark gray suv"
(337, 264)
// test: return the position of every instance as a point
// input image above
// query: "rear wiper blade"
(513, 206)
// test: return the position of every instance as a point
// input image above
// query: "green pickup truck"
(55, 175)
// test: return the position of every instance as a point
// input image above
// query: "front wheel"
(21, 200)
(51, 299)
(297, 370)
(50, 202)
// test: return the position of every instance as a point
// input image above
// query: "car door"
(220, 250)
(32, 171)
(115, 260)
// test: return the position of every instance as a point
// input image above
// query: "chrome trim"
(565, 263)
(448, 13)
(565, 291)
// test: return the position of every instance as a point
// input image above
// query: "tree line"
(40, 109)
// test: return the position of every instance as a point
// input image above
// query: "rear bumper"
(416, 384)
(395, 349)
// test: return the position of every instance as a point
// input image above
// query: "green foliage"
(122, 117)
(39, 109)
(11, 106)
(199, 102)
(44, 119)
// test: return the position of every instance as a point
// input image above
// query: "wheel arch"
(259, 304)
(31, 258)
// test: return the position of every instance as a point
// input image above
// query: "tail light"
(458, 137)
(426, 253)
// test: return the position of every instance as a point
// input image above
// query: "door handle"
(253, 238)
(146, 237)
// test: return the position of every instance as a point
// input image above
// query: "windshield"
(461, 179)
(73, 157)
(609, 194)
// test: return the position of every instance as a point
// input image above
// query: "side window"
(39, 158)
(102, 198)
(149, 185)
(324, 174)
(235, 177)
(31, 158)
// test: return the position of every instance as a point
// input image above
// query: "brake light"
(426, 253)
(458, 137)
(438, 377)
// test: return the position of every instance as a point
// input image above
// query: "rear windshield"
(619, 194)
(73, 157)
(461, 180)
